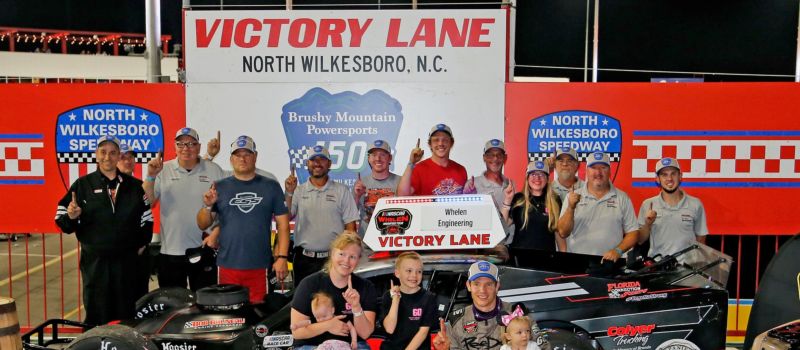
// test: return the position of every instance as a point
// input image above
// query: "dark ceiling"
(713, 36)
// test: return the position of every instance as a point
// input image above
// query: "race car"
(674, 302)
(575, 301)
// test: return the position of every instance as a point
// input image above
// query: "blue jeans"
(362, 345)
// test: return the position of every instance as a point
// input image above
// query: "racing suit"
(115, 222)
(466, 332)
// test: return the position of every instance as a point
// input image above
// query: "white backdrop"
(467, 91)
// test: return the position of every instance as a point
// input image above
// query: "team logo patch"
(245, 201)
(483, 266)
(471, 327)
(345, 123)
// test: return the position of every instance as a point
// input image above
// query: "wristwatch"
(358, 313)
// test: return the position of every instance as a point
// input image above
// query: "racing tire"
(222, 295)
(163, 300)
(116, 336)
(563, 339)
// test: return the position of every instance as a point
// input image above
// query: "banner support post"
(596, 41)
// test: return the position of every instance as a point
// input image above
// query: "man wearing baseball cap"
(672, 220)
(322, 209)
(178, 185)
(598, 219)
(437, 175)
(244, 205)
(378, 184)
(111, 217)
(566, 177)
(483, 321)
(492, 181)
(127, 159)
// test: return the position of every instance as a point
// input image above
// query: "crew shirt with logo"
(431, 179)
(245, 210)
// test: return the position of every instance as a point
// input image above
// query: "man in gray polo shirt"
(672, 220)
(566, 178)
(492, 181)
(179, 185)
(598, 219)
(378, 184)
(322, 209)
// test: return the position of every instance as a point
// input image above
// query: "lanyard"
(112, 195)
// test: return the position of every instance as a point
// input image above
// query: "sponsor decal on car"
(278, 341)
(261, 331)
(176, 346)
(677, 344)
(631, 335)
(646, 297)
(204, 324)
(621, 290)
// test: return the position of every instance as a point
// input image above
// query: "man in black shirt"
(111, 217)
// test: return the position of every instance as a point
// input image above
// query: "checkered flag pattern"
(541, 156)
(76, 157)
(298, 157)
(89, 157)
(731, 159)
(17, 159)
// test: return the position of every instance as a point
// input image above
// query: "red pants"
(255, 280)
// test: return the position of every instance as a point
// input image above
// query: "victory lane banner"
(434, 223)
(737, 144)
(48, 134)
(353, 46)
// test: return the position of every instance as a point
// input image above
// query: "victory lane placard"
(434, 223)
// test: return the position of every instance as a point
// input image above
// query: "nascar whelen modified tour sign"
(434, 222)
(738, 145)
(49, 132)
(343, 79)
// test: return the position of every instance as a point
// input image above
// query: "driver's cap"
(483, 269)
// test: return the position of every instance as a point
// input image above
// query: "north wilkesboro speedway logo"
(346, 123)
(584, 131)
(77, 131)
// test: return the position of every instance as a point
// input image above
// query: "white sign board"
(434, 223)
(343, 79)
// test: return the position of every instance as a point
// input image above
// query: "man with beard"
(111, 217)
(598, 219)
(672, 220)
(322, 209)
(437, 175)
(380, 183)
(244, 204)
(566, 178)
(480, 326)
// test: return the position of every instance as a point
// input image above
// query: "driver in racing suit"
(479, 326)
